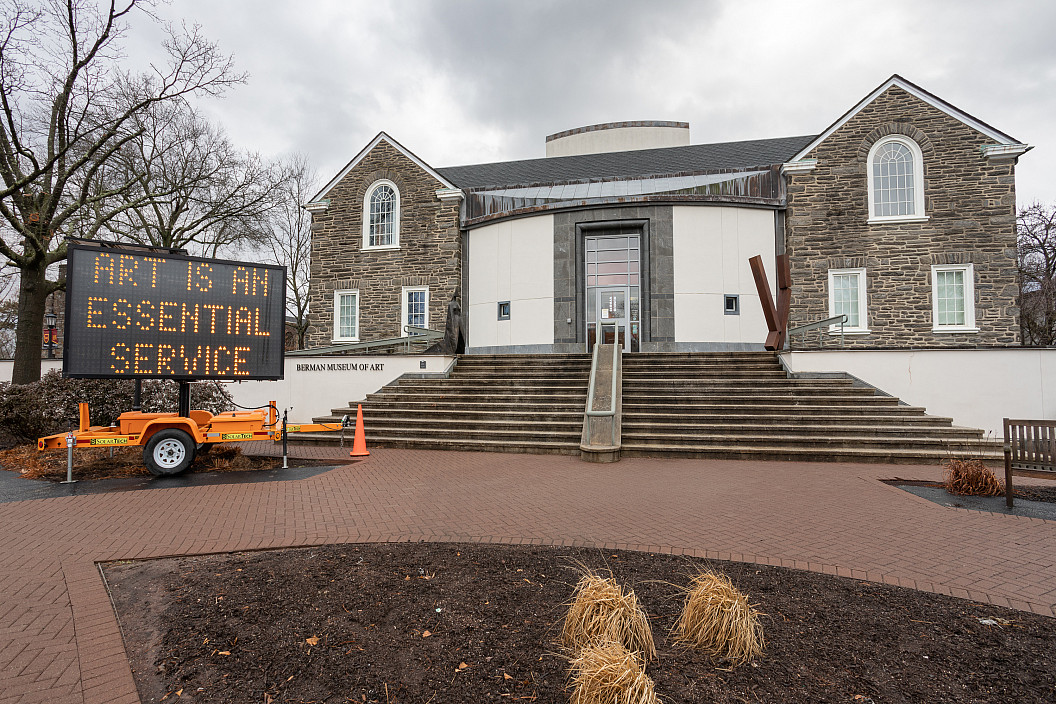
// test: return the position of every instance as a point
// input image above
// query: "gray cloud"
(466, 81)
(528, 66)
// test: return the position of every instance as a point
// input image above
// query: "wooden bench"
(1030, 451)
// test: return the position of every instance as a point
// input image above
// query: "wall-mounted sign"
(142, 314)
(344, 367)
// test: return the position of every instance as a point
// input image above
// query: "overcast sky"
(462, 82)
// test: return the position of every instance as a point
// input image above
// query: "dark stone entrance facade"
(653, 225)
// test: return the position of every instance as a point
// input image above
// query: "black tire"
(169, 452)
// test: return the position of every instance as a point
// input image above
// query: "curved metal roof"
(644, 162)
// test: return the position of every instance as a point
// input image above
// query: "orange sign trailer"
(228, 314)
(170, 441)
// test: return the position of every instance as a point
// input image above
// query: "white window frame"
(969, 299)
(918, 214)
(336, 336)
(403, 308)
(863, 309)
(395, 244)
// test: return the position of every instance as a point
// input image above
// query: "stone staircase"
(742, 405)
(498, 403)
(731, 405)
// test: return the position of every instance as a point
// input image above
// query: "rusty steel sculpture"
(776, 316)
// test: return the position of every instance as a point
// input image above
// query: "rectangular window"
(953, 298)
(415, 308)
(504, 310)
(847, 297)
(346, 316)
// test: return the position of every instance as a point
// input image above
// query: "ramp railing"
(820, 326)
(590, 448)
(415, 337)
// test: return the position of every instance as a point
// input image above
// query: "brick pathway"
(59, 638)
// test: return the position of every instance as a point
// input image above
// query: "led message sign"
(143, 314)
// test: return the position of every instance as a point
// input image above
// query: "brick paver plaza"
(60, 641)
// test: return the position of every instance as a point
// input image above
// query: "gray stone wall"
(971, 205)
(429, 253)
(657, 281)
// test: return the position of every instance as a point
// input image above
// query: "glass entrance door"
(611, 315)
(612, 274)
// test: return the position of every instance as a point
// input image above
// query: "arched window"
(896, 180)
(381, 221)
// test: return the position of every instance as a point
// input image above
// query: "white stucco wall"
(313, 385)
(618, 139)
(712, 246)
(512, 261)
(7, 366)
(977, 388)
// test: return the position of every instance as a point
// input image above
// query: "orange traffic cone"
(359, 445)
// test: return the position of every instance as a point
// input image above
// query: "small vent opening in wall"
(732, 304)
(504, 310)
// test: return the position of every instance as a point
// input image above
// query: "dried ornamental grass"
(718, 619)
(605, 672)
(602, 610)
(970, 478)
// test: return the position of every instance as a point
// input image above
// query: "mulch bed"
(1029, 492)
(96, 462)
(1035, 493)
(453, 623)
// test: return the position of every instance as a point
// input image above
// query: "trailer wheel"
(168, 451)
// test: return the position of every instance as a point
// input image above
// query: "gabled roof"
(638, 163)
(641, 163)
(918, 92)
(366, 150)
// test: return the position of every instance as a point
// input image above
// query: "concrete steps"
(745, 407)
(784, 452)
(497, 403)
(738, 405)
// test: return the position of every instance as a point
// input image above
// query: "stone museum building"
(900, 215)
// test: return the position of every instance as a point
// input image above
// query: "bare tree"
(289, 241)
(8, 316)
(1037, 274)
(191, 186)
(67, 109)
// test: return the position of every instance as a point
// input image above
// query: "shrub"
(24, 416)
(160, 395)
(718, 619)
(970, 478)
(607, 673)
(50, 405)
(602, 611)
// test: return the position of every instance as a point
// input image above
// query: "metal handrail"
(422, 332)
(415, 335)
(591, 413)
(836, 319)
